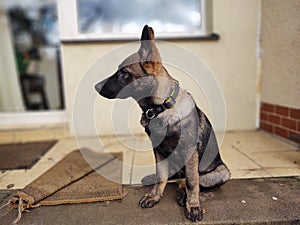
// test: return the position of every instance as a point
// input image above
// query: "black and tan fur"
(183, 139)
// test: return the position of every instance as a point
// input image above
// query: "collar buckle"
(150, 114)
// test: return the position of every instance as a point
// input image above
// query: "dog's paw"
(181, 197)
(193, 213)
(148, 202)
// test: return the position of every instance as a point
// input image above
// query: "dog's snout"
(99, 86)
(107, 89)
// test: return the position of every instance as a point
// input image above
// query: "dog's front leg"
(193, 209)
(152, 198)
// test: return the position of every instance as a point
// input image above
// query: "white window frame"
(69, 31)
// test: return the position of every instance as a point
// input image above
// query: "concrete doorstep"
(254, 201)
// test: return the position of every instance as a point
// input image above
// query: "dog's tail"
(215, 178)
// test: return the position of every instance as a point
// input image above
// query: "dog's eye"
(125, 77)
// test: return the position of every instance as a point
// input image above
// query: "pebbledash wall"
(280, 68)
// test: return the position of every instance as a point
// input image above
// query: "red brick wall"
(280, 120)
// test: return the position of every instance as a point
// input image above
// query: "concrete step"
(274, 201)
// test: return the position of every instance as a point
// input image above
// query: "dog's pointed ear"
(147, 33)
(148, 51)
(147, 40)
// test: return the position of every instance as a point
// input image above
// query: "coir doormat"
(22, 155)
(73, 180)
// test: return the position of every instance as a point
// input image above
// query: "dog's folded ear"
(150, 57)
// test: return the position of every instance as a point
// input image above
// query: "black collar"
(153, 110)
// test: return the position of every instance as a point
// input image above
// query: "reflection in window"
(128, 16)
(35, 34)
(36, 22)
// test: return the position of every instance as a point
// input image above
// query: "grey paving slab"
(255, 201)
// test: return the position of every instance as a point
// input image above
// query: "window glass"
(39, 18)
(128, 16)
(35, 38)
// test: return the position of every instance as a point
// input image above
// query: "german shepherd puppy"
(182, 137)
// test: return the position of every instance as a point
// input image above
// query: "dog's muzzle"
(108, 88)
(100, 85)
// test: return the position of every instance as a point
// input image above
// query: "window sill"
(211, 37)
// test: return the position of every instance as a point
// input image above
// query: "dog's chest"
(162, 135)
